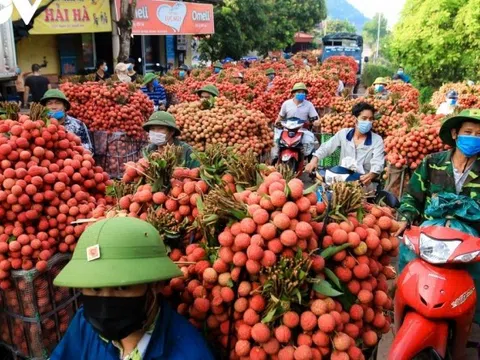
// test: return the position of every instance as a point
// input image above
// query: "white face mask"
(157, 138)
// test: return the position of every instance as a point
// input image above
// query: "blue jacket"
(173, 338)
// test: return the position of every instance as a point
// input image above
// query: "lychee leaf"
(310, 190)
(331, 275)
(332, 250)
(325, 288)
(269, 317)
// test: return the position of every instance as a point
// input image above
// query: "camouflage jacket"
(187, 153)
(435, 175)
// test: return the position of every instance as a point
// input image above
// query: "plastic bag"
(453, 211)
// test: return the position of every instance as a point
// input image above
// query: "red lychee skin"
(356, 312)
(283, 334)
(321, 339)
(257, 303)
(251, 317)
(370, 338)
(291, 319)
(272, 346)
(260, 333)
(286, 353)
(308, 320)
(303, 352)
(319, 307)
(326, 323)
(257, 353)
(244, 332)
(242, 347)
(342, 341)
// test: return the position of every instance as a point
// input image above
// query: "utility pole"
(378, 34)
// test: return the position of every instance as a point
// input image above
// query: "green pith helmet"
(115, 252)
(162, 118)
(211, 89)
(299, 86)
(149, 77)
(55, 94)
(270, 72)
(380, 81)
(218, 65)
(472, 115)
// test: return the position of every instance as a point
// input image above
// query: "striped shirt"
(157, 95)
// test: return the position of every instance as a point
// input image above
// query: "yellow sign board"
(71, 17)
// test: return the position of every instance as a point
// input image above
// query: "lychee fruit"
(242, 347)
(278, 198)
(288, 238)
(342, 341)
(296, 188)
(340, 237)
(381, 298)
(260, 333)
(361, 271)
(268, 231)
(370, 338)
(308, 320)
(365, 296)
(290, 209)
(254, 252)
(283, 334)
(251, 317)
(244, 332)
(272, 346)
(326, 323)
(286, 353)
(281, 221)
(319, 307)
(225, 238)
(321, 339)
(303, 230)
(356, 312)
(260, 216)
(291, 319)
(303, 352)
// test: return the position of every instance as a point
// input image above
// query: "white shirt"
(304, 111)
(446, 109)
(369, 156)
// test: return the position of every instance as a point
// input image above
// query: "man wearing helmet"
(450, 105)
(118, 265)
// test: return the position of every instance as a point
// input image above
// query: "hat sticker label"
(93, 252)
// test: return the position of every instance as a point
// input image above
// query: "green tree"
(428, 43)
(467, 28)
(370, 30)
(335, 26)
(263, 25)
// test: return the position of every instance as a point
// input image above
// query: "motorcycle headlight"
(466, 258)
(408, 243)
(436, 251)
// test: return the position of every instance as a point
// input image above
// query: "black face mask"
(114, 318)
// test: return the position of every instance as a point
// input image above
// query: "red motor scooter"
(291, 147)
(435, 299)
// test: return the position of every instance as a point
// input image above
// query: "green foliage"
(335, 26)
(426, 94)
(437, 40)
(245, 25)
(370, 30)
(373, 71)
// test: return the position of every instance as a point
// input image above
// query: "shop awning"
(159, 17)
(301, 37)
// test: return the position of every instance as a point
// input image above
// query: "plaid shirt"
(78, 128)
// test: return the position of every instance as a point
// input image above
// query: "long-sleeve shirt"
(158, 94)
(186, 156)
(173, 338)
(434, 175)
(368, 157)
(78, 128)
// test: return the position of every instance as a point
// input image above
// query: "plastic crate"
(113, 150)
(332, 160)
(36, 314)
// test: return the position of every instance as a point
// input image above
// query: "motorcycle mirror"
(387, 198)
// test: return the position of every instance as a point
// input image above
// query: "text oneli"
(142, 14)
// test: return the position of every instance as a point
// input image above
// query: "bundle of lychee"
(111, 107)
(47, 181)
(156, 190)
(264, 290)
(226, 123)
(345, 67)
(468, 95)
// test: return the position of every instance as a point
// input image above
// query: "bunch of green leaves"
(213, 163)
(244, 167)
(9, 110)
(169, 228)
(119, 189)
(161, 166)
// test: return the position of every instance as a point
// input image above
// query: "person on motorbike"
(362, 150)
(456, 170)
(298, 106)
(450, 105)
(119, 266)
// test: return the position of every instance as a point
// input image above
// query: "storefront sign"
(170, 49)
(72, 17)
(159, 17)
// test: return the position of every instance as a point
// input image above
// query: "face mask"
(271, 77)
(305, 61)
(181, 74)
(18, 71)
(114, 318)
(216, 70)
(452, 101)
(364, 126)
(300, 96)
(400, 72)
(59, 115)
(155, 82)
(469, 145)
(157, 138)
(130, 67)
(379, 88)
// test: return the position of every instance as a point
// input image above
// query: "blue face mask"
(18, 71)
(379, 88)
(216, 70)
(400, 72)
(59, 114)
(452, 101)
(130, 67)
(469, 145)
(155, 82)
(181, 74)
(364, 126)
(300, 96)
(105, 68)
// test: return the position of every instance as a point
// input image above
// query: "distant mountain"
(342, 9)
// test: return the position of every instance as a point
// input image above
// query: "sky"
(389, 8)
